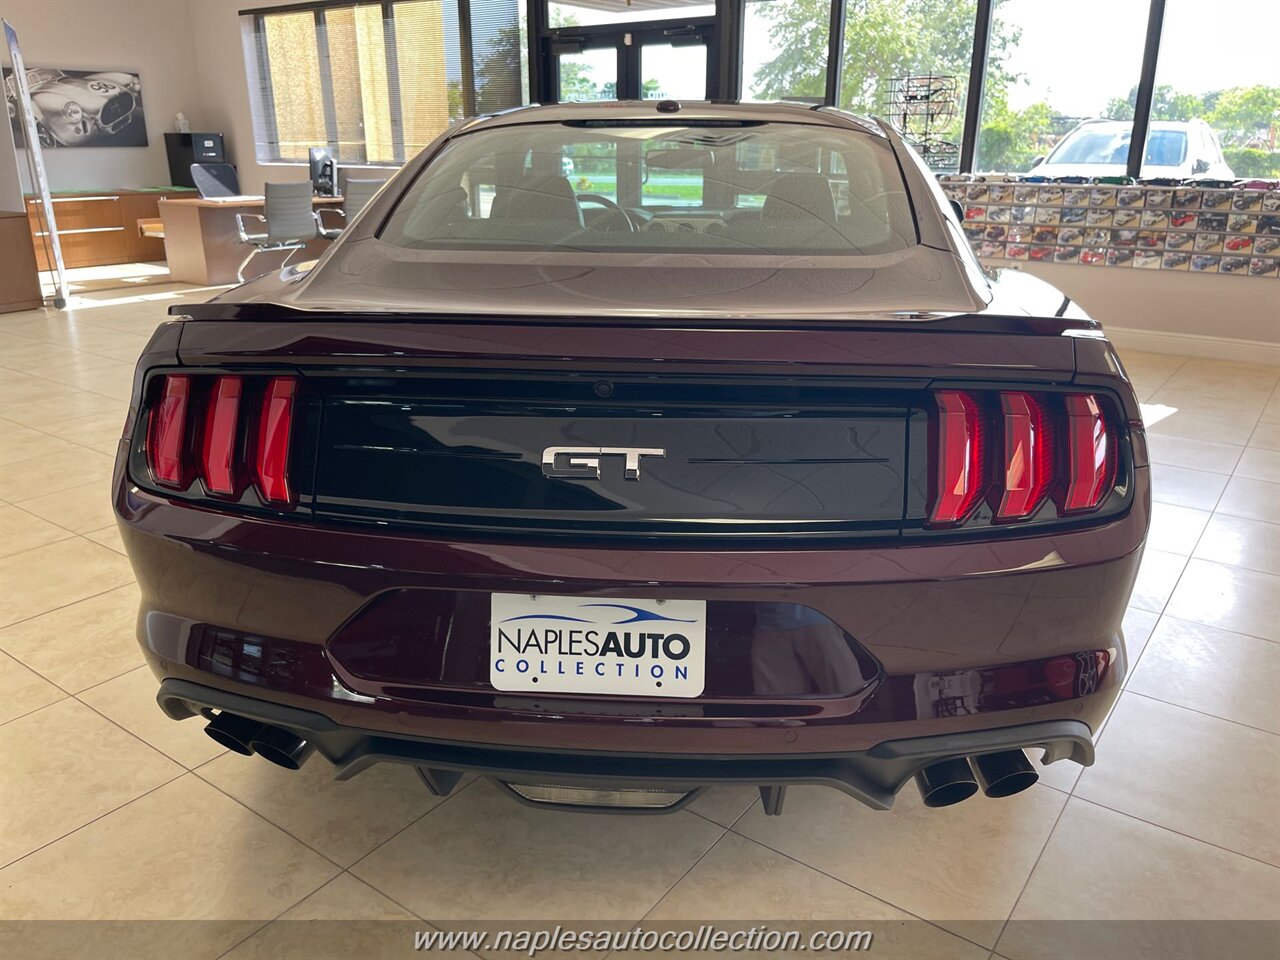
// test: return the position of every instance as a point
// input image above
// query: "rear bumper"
(966, 636)
(873, 776)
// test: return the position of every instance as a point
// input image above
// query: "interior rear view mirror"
(680, 158)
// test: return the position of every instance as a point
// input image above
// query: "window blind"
(377, 81)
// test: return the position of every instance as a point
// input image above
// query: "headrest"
(799, 196)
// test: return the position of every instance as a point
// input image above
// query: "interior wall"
(10, 181)
(1172, 302)
(219, 62)
(154, 39)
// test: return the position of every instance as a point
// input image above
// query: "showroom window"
(1223, 102)
(784, 49)
(1042, 88)
(377, 82)
(909, 62)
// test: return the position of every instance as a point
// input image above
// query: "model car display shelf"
(1193, 228)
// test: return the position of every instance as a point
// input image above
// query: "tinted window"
(1164, 147)
(715, 188)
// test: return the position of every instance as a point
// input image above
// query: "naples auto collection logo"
(621, 640)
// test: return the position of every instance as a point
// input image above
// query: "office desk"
(202, 242)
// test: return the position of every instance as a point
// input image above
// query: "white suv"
(1177, 149)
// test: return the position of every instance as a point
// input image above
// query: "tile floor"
(111, 811)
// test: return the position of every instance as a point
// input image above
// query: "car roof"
(686, 110)
(1128, 124)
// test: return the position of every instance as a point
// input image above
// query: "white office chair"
(355, 195)
(290, 220)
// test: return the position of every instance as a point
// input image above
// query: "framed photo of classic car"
(80, 108)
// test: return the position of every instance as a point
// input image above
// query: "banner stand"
(36, 171)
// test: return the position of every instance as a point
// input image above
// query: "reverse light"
(167, 433)
(1091, 460)
(275, 425)
(218, 444)
(959, 474)
(1028, 456)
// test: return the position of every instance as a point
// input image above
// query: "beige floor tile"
(897, 856)
(1175, 529)
(1265, 436)
(1225, 380)
(1245, 601)
(109, 537)
(82, 644)
(22, 690)
(741, 881)
(1255, 499)
(1186, 488)
(1214, 671)
(57, 471)
(1271, 413)
(1061, 776)
(100, 431)
(64, 765)
(130, 701)
(20, 531)
(1240, 542)
(83, 404)
(342, 820)
(343, 919)
(81, 508)
(1206, 455)
(1149, 371)
(18, 388)
(1259, 464)
(1197, 418)
(1211, 779)
(488, 852)
(724, 805)
(1137, 626)
(183, 852)
(53, 576)
(19, 444)
(111, 378)
(1157, 578)
(1102, 870)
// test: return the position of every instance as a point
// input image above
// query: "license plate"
(597, 645)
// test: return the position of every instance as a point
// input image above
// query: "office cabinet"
(97, 228)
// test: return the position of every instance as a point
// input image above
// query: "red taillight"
(167, 433)
(959, 477)
(218, 446)
(1028, 456)
(1091, 460)
(1030, 461)
(271, 465)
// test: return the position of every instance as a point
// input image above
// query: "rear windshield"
(764, 188)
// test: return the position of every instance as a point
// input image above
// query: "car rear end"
(610, 560)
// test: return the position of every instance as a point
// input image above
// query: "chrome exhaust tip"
(946, 782)
(1004, 774)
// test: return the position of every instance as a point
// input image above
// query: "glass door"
(629, 59)
(671, 65)
(586, 72)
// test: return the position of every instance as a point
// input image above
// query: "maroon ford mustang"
(619, 450)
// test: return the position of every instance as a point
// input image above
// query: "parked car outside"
(1176, 150)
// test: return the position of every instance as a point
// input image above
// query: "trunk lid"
(513, 427)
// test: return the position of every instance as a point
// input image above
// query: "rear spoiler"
(1004, 325)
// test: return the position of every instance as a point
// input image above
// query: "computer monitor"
(324, 172)
(215, 180)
